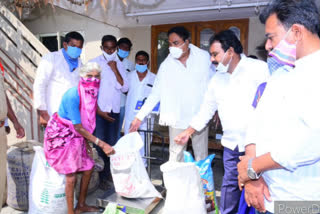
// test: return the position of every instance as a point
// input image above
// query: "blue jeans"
(230, 192)
(107, 132)
(121, 119)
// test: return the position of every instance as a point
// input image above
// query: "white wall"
(140, 37)
(64, 21)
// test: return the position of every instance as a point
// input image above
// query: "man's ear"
(65, 45)
(297, 30)
(230, 51)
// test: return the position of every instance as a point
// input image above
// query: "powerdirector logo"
(297, 207)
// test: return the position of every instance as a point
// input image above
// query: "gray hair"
(89, 67)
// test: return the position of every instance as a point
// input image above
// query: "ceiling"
(155, 12)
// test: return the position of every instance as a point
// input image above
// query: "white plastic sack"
(129, 175)
(184, 188)
(47, 187)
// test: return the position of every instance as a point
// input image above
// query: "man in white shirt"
(180, 86)
(141, 82)
(113, 83)
(231, 92)
(56, 73)
(124, 47)
(283, 139)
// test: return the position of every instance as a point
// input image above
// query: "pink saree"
(65, 149)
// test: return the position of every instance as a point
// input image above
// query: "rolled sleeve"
(207, 109)
(300, 152)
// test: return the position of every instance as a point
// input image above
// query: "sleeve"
(153, 98)
(71, 105)
(299, 144)
(125, 87)
(44, 73)
(299, 152)
(251, 133)
(208, 108)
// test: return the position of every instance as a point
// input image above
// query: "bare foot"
(85, 208)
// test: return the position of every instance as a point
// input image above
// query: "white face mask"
(176, 52)
(221, 67)
(110, 57)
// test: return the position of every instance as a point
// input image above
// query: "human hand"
(19, 130)
(113, 65)
(107, 149)
(184, 136)
(107, 117)
(243, 171)
(255, 192)
(89, 150)
(44, 117)
(135, 124)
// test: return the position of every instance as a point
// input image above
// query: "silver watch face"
(251, 174)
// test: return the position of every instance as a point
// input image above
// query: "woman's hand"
(107, 149)
(89, 150)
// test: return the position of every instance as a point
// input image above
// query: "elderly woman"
(68, 132)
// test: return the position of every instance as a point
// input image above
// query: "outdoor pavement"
(156, 177)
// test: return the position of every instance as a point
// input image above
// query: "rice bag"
(206, 175)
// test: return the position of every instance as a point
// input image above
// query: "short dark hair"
(73, 35)
(180, 31)
(124, 40)
(289, 12)
(253, 56)
(227, 39)
(108, 38)
(142, 53)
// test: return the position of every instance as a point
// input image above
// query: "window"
(200, 34)
(54, 41)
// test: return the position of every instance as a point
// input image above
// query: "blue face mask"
(141, 68)
(74, 52)
(123, 54)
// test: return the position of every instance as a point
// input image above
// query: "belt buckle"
(1, 123)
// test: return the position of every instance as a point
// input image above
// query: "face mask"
(221, 67)
(110, 57)
(141, 68)
(285, 53)
(123, 54)
(74, 52)
(176, 52)
(273, 64)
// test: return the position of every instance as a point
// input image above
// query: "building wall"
(64, 21)
(140, 37)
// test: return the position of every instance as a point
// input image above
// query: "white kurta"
(52, 80)
(138, 91)
(110, 89)
(180, 89)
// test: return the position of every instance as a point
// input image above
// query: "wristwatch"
(251, 173)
